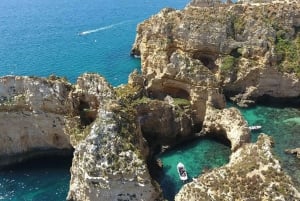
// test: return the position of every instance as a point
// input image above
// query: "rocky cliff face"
(109, 164)
(227, 124)
(253, 173)
(32, 117)
(244, 49)
(52, 116)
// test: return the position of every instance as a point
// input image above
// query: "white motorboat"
(255, 128)
(182, 172)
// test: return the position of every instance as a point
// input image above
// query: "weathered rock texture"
(253, 173)
(32, 118)
(109, 164)
(245, 49)
(228, 122)
(45, 116)
(171, 121)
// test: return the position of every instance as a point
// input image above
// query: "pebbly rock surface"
(253, 173)
(246, 50)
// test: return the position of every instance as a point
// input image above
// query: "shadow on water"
(42, 179)
(197, 156)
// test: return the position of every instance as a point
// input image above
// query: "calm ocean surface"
(41, 38)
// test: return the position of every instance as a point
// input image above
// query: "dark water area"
(197, 156)
(43, 179)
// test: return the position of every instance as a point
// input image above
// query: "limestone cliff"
(227, 123)
(247, 50)
(44, 116)
(109, 164)
(253, 173)
(32, 117)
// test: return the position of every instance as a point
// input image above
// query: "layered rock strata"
(253, 173)
(53, 116)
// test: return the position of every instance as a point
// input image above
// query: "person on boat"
(182, 172)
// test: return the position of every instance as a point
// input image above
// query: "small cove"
(197, 156)
(282, 123)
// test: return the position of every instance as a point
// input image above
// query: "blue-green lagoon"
(197, 156)
(282, 123)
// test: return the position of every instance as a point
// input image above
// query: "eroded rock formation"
(295, 151)
(253, 173)
(240, 48)
(109, 164)
(229, 123)
(189, 59)
(32, 117)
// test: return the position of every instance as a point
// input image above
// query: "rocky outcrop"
(109, 164)
(226, 123)
(32, 117)
(295, 151)
(240, 48)
(53, 116)
(253, 173)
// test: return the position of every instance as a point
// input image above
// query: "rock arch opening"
(87, 112)
(174, 92)
(208, 60)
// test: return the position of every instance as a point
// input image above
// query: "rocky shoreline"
(192, 60)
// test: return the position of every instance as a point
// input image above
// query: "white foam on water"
(102, 28)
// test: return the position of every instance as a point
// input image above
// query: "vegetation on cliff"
(289, 51)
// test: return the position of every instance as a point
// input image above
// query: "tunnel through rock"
(87, 112)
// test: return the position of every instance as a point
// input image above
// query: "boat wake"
(102, 28)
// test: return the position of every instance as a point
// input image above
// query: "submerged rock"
(253, 173)
(295, 151)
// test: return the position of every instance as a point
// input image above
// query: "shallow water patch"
(197, 156)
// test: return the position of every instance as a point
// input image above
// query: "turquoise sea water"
(283, 124)
(197, 156)
(36, 180)
(41, 37)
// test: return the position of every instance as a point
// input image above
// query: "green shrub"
(289, 50)
(181, 102)
(228, 63)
